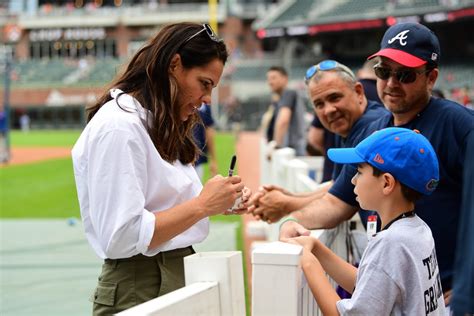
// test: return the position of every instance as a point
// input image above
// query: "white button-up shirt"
(122, 180)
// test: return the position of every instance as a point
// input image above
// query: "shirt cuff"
(147, 228)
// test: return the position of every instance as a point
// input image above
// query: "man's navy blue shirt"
(328, 143)
(373, 111)
(200, 132)
(447, 125)
(463, 283)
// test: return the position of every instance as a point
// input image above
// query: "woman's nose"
(206, 99)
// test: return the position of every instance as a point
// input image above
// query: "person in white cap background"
(398, 273)
(406, 70)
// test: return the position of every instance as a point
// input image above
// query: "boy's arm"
(325, 212)
(342, 272)
(322, 290)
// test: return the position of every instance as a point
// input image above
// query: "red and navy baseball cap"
(410, 44)
(405, 154)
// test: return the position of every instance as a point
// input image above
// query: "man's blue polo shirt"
(447, 125)
(462, 302)
(200, 132)
(373, 111)
(328, 166)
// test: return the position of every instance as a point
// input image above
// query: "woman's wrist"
(200, 207)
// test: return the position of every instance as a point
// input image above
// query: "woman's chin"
(186, 117)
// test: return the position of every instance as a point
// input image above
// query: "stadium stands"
(44, 72)
(298, 11)
(351, 8)
(32, 73)
(318, 12)
(305, 33)
(54, 72)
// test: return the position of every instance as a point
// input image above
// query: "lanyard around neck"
(403, 215)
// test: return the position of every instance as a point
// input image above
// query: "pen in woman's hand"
(231, 172)
(232, 165)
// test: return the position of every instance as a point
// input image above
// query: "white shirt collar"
(129, 103)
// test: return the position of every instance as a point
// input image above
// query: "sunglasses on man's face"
(209, 31)
(326, 65)
(402, 76)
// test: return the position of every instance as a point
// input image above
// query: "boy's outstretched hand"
(307, 242)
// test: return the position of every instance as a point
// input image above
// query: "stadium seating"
(248, 77)
(297, 11)
(455, 74)
(53, 72)
(41, 72)
(352, 8)
(103, 71)
(417, 4)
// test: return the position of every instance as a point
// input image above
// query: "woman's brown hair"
(147, 79)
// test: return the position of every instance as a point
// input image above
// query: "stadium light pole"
(212, 6)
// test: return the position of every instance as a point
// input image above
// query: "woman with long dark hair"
(142, 203)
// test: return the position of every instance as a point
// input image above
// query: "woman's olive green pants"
(127, 282)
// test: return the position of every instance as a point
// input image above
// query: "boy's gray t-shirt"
(398, 274)
(296, 135)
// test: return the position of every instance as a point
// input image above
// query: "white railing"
(290, 172)
(278, 283)
(214, 286)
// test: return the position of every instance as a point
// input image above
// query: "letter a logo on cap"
(401, 37)
(379, 159)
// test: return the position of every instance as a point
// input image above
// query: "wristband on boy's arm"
(288, 219)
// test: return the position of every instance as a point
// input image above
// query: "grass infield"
(47, 190)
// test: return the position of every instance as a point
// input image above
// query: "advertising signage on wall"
(55, 34)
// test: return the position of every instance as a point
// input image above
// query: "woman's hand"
(219, 194)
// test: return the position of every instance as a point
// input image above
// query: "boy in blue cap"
(398, 272)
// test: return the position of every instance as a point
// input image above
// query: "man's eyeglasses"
(403, 76)
(326, 65)
(209, 31)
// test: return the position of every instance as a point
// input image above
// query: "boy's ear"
(389, 183)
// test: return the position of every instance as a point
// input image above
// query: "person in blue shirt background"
(4, 147)
(204, 136)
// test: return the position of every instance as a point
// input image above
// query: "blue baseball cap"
(405, 154)
(410, 44)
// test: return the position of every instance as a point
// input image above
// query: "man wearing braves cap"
(399, 268)
(406, 70)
